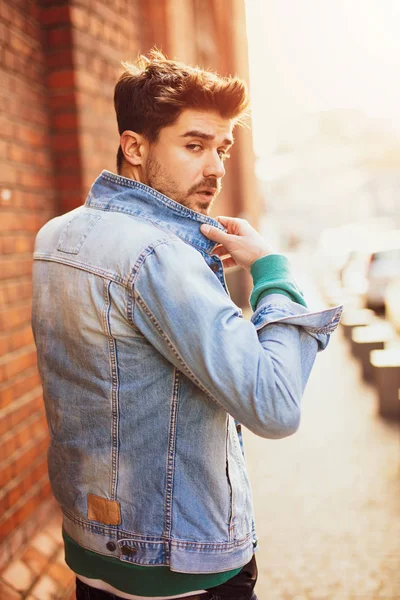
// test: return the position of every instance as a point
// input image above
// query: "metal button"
(215, 267)
(111, 546)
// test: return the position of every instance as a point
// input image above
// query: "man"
(147, 365)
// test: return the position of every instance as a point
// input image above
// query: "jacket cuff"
(278, 309)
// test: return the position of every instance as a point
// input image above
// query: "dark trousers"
(239, 587)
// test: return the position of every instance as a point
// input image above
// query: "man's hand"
(241, 245)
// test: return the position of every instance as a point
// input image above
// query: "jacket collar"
(116, 193)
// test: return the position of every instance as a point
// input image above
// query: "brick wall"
(59, 61)
(27, 201)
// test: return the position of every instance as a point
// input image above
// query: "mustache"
(211, 184)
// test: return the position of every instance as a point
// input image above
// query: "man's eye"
(222, 154)
(194, 147)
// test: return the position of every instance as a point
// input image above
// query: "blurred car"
(392, 303)
(383, 268)
(353, 274)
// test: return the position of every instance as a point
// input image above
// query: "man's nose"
(214, 167)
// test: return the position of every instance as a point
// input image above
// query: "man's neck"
(132, 172)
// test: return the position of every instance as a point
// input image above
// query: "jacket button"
(215, 267)
(111, 546)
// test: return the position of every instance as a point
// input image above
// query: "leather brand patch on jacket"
(103, 510)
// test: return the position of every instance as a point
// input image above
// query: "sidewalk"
(40, 573)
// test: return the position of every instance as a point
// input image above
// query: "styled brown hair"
(151, 93)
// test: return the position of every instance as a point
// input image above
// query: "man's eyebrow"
(206, 136)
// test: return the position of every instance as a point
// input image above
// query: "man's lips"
(207, 193)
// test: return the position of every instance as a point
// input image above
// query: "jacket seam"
(152, 318)
(83, 267)
(170, 466)
(177, 542)
(112, 355)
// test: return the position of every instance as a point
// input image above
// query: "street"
(327, 500)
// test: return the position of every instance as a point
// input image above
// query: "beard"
(162, 181)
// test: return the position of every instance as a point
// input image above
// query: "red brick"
(55, 15)
(29, 454)
(7, 448)
(12, 390)
(16, 290)
(35, 179)
(15, 517)
(95, 26)
(31, 28)
(25, 407)
(8, 174)
(15, 316)
(87, 82)
(16, 18)
(68, 162)
(29, 135)
(27, 199)
(60, 58)
(19, 44)
(7, 527)
(9, 59)
(4, 34)
(66, 141)
(61, 79)
(3, 147)
(6, 473)
(20, 154)
(18, 361)
(66, 121)
(6, 128)
(69, 201)
(14, 267)
(68, 182)
(62, 102)
(79, 18)
(20, 338)
(59, 38)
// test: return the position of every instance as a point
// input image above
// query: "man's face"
(186, 163)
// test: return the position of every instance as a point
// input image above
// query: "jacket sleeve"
(256, 370)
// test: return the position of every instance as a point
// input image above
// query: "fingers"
(225, 220)
(229, 262)
(233, 225)
(212, 233)
(220, 251)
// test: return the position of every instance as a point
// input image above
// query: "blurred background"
(317, 172)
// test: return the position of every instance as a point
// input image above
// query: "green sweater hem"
(136, 579)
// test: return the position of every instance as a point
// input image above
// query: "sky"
(314, 55)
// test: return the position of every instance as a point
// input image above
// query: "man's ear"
(133, 146)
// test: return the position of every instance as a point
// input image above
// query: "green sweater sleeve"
(271, 275)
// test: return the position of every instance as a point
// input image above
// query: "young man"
(147, 365)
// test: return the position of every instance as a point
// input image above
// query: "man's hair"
(151, 93)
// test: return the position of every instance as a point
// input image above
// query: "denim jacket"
(146, 363)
